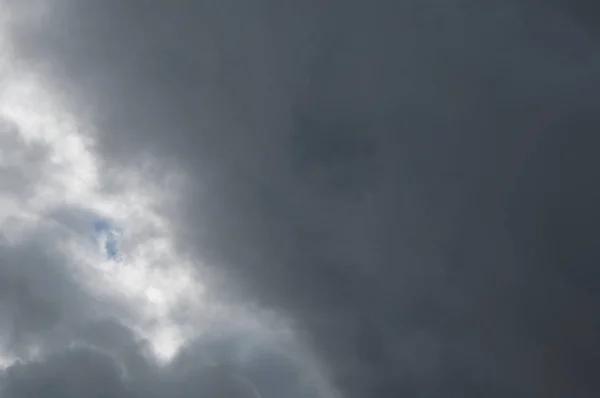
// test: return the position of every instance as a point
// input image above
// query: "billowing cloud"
(105, 359)
(375, 198)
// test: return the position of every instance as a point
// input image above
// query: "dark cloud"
(412, 182)
(108, 361)
(39, 298)
(70, 374)
(22, 164)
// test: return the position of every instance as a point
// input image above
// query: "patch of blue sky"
(106, 234)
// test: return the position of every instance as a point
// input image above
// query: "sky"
(300, 199)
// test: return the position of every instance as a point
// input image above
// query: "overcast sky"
(299, 199)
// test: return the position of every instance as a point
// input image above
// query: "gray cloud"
(413, 183)
(21, 165)
(37, 296)
(43, 302)
(68, 374)
(107, 360)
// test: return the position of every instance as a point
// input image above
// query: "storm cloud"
(409, 186)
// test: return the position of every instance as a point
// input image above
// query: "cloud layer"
(349, 199)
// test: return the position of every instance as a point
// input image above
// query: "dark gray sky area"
(411, 185)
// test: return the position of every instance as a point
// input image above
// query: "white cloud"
(151, 278)
(158, 285)
(54, 186)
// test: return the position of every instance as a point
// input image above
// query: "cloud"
(106, 359)
(407, 186)
(35, 290)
